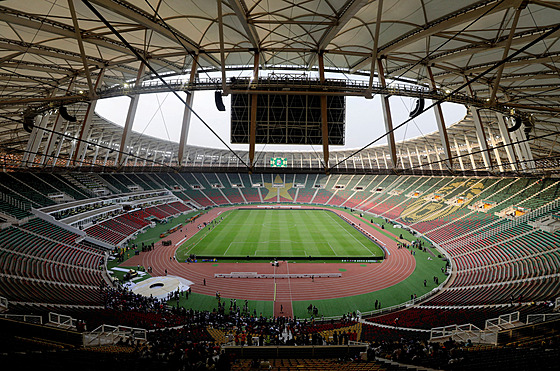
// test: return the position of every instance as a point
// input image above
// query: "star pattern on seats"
(274, 189)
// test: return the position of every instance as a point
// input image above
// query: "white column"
(137, 154)
(522, 148)
(147, 153)
(60, 141)
(429, 159)
(442, 130)
(86, 125)
(481, 137)
(72, 149)
(82, 156)
(496, 151)
(506, 140)
(388, 119)
(420, 164)
(108, 150)
(410, 158)
(458, 151)
(35, 139)
(130, 118)
(185, 126)
(471, 156)
(526, 149)
(171, 156)
(51, 138)
(155, 156)
(440, 163)
(99, 140)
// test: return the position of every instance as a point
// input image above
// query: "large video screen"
(287, 119)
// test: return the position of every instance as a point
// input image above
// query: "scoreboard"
(288, 111)
(278, 162)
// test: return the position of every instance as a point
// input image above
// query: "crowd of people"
(453, 354)
(181, 337)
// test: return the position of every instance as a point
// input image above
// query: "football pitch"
(254, 233)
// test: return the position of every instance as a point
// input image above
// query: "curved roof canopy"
(510, 49)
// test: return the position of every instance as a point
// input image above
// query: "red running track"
(356, 280)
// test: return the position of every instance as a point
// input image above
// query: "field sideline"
(286, 233)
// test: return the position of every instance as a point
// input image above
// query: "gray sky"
(160, 115)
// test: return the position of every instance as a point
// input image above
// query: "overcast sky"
(160, 115)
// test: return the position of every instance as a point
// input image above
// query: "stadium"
(285, 185)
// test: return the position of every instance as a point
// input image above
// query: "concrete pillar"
(35, 139)
(388, 119)
(57, 125)
(439, 161)
(458, 151)
(60, 142)
(146, 156)
(99, 140)
(442, 130)
(429, 159)
(525, 149)
(420, 164)
(324, 117)
(82, 156)
(409, 158)
(86, 125)
(133, 106)
(108, 150)
(471, 156)
(187, 113)
(506, 140)
(496, 151)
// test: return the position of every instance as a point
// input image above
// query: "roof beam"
(462, 16)
(520, 38)
(515, 62)
(345, 14)
(375, 45)
(222, 53)
(91, 92)
(56, 28)
(240, 9)
(139, 16)
(505, 54)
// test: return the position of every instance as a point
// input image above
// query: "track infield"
(250, 233)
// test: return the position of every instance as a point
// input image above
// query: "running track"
(356, 280)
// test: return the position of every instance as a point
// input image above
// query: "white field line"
(337, 221)
(328, 243)
(203, 237)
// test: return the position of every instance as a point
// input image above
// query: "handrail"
(61, 320)
(29, 318)
(108, 334)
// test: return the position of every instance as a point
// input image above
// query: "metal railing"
(502, 322)
(111, 335)
(61, 320)
(38, 320)
(539, 318)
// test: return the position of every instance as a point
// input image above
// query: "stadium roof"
(53, 52)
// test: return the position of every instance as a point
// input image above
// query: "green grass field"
(285, 233)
